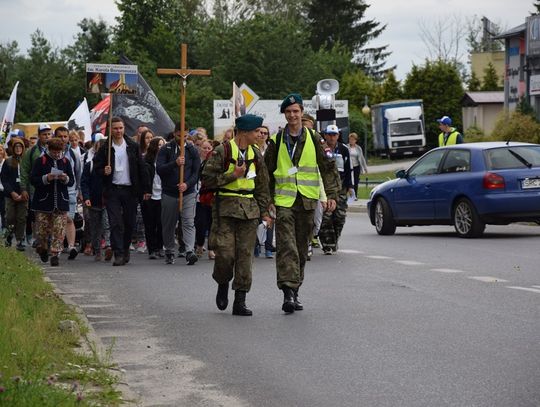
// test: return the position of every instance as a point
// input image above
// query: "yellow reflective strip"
(308, 169)
(285, 192)
(308, 183)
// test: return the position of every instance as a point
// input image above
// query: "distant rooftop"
(482, 98)
(512, 32)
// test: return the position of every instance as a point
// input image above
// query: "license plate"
(529, 183)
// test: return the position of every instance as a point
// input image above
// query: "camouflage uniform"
(295, 224)
(332, 223)
(234, 228)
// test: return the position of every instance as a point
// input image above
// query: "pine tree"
(491, 80)
(474, 83)
(343, 22)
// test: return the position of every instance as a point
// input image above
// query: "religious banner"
(9, 116)
(110, 78)
(80, 120)
(142, 108)
(99, 116)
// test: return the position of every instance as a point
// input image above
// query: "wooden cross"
(183, 72)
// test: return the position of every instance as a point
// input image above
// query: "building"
(481, 60)
(480, 110)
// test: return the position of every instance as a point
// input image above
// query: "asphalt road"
(422, 318)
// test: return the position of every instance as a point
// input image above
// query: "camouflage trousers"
(233, 242)
(294, 227)
(332, 223)
(51, 225)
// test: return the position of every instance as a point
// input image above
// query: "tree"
(491, 80)
(343, 22)
(474, 83)
(390, 89)
(9, 62)
(49, 89)
(355, 86)
(536, 6)
(439, 85)
(442, 38)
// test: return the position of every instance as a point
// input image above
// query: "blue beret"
(291, 99)
(248, 122)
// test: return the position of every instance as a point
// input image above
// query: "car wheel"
(466, 220)
(384, 220)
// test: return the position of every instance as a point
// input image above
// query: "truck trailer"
(398, 128)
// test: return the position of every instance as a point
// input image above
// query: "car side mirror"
(401, 174)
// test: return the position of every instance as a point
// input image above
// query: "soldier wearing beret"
(296, 161)
(237, 172)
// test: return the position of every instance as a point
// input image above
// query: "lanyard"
(289, 150)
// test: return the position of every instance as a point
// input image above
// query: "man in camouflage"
(295, 158)
(236, 171)
(332, 223)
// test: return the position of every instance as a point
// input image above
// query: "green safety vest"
(305, 180)
(452, 139)
(242, 187)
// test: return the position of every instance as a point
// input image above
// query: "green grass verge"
(364, 190)
(40, 365)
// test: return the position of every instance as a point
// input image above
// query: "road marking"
(409, 262)
(532, 290)
(536, 286)
(348, 251)
(448, 270)
(487, 279)
(379, 257)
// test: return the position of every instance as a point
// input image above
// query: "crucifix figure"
(183, 72)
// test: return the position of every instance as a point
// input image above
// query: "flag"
(142, 108)
(99, 116)
(9, 116)
(80, 120)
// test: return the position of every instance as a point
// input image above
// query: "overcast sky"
(58, 20)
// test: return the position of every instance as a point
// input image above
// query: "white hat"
(332, 129)
(43, 127)
(97, 136)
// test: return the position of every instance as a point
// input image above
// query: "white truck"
(398, 128)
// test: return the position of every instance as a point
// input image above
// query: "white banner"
(269, 110)
(80, 120)
(9, 115)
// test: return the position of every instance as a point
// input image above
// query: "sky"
(58, 20)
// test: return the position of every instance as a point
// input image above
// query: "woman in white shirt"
(358, 162)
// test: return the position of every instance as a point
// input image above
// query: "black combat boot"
(239, 305)
(221, 298)
(297, 304)
(288, 300)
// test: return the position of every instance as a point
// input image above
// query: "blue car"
(465, 185)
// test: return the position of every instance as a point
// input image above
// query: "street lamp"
(365, 111)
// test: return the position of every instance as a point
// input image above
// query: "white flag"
(9, 115)
(80, 120)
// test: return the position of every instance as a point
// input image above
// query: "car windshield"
(508, 157)
(406, 128)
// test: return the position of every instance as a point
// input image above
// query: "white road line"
(379, 257)
(487, 279)
(349, 251)
(448, 270)
(532, 290)
(409, 262)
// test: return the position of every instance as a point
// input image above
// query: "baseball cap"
(332, 129)
(445, 120)
(43, 127)
(16, 133)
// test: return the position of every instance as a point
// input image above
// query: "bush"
(516, 126)
(473, 134)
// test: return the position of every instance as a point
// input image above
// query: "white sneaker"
(141, 247)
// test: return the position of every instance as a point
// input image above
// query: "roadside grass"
(41, 365)
(364, 189)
